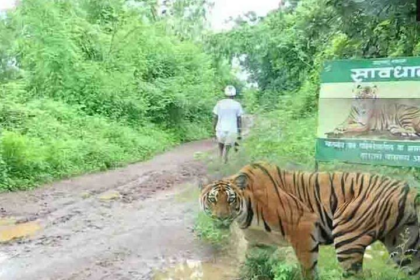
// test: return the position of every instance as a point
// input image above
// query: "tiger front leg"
(305, 243)
(351, 128)
(340, 129)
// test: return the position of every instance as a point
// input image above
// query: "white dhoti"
(226, 137)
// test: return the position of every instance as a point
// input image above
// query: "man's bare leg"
(227, 147)
(221, 148)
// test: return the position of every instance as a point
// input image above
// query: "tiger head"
(223, 199)
(366, 92)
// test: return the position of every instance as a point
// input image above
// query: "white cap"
(230, 91)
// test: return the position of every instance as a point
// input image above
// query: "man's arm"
(239, 124)
(215, 119)
(239, 121)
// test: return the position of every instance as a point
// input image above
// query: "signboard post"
(369, 112)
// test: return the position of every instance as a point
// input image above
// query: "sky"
(223, 9)
(6, 4)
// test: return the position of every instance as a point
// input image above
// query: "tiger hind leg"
(408, 131)
(404, 247)
(416, 126)
(350, 248)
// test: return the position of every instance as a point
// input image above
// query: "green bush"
(269, 263)
(44, 140)
(210, 230)
(4, 176)
(280, 264)
(258, 264)
(98, 84)
(119, 67)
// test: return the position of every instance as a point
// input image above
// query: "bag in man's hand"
(236, 146)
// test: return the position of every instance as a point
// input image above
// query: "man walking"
(227, 122)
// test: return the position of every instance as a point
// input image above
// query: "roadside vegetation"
(89, 85)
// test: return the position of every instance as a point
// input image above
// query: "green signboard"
(369, 112)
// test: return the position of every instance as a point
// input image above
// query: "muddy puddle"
(11, 230)
(197, 270)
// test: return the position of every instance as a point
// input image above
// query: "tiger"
(304, 210)
(368, 113)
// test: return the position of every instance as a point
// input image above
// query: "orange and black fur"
(309, 209)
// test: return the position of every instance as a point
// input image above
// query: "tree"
(285, 51)
(188, 19)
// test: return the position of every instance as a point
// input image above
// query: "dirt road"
(117, 225)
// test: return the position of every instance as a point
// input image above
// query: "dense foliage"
(284, 52)
(91, 84)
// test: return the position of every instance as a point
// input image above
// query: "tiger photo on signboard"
(369, 114)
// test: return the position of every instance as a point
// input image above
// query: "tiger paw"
(400, 131)
(339, 131)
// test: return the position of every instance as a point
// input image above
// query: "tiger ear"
(241, 181)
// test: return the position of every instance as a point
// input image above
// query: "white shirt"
(227, 110)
